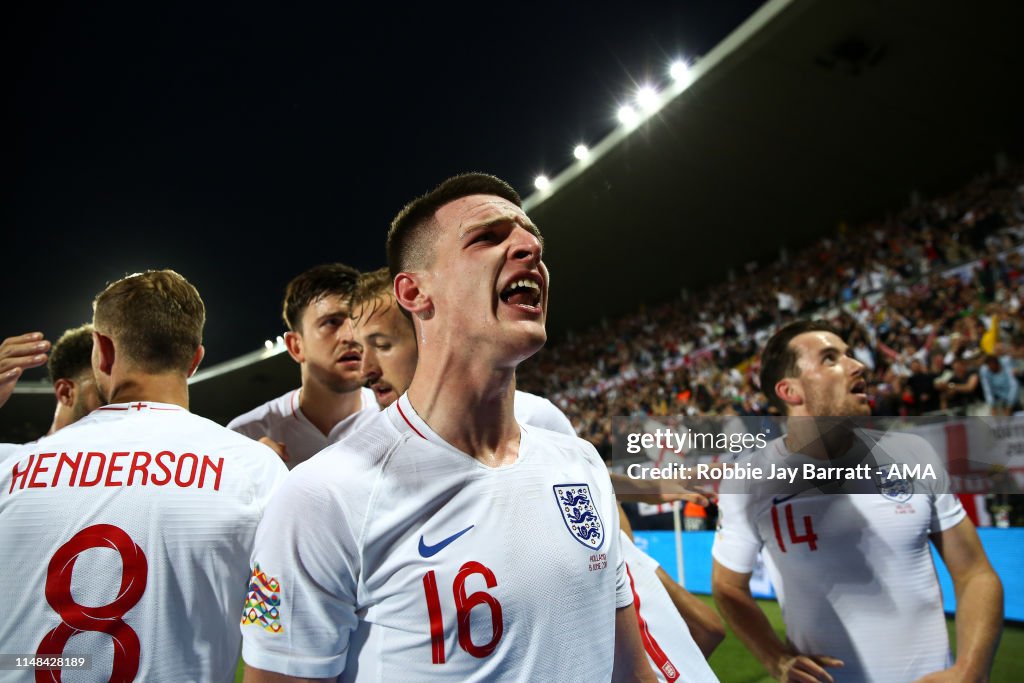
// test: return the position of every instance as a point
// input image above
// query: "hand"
(807, 668)
(657, 491)
(276, 446)
(952, 675)
(17, 354)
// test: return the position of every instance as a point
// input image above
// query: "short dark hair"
(71, 355)
(314, 284)
(408, 244)
(779, 359)
(372, 293)
(157, 317)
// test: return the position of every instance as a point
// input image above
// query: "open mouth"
(522, 292)
(351, 357)
(859, 387)
(382, 389)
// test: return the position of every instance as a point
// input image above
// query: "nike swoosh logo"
(783, 499)
(431, 550)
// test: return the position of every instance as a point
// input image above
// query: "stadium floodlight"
(581, 152)
(628, 115)
(541, 182)
(647, 97)
(280, 340)
(268, 344)
(680, 70)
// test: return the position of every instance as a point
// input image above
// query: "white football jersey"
(673, 653)
(281, 420)
(855, 568)
(132, 526)
(537, 411)
(7, 449)
(414, 561)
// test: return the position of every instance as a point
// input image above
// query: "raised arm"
(736, 603)
(18, 354)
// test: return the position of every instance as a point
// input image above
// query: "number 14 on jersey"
(808, 536)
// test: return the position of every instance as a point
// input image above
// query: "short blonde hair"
(156, 317)
(374, 292)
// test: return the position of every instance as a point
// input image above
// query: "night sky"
(242, 143)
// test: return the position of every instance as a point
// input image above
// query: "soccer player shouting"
(389, 362)
(388, 340)
(444, 540)
(860, 597)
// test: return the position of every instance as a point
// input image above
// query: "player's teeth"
(525, 283)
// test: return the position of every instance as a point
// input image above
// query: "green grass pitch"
(733, 664)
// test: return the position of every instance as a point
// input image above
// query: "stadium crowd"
(925, 296)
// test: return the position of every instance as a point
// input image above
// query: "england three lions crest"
(580, 514)
(892, 485)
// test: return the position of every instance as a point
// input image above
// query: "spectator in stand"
(960, 390)
(999, 385)
(921, 384)
(894, 277)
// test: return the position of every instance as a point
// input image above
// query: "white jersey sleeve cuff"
(734, 554)
(306, 667)
(949, 512)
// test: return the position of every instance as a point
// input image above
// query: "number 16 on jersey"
(464, 605)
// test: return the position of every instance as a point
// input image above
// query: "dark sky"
(242, 143)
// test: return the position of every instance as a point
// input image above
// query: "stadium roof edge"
(238, 363)
(43, 386)
(754, 23)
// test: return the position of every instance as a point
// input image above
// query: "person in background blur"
(961, 389)
(999, 385)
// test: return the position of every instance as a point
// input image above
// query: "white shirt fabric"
(671, 650)
(366, 579)
(855, 569)
(537, 411)
(281, 420)
(7, 449)
(145, 501)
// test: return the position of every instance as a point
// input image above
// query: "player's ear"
(197, 358)
(789, 390)
(293, 342)
(410, 296)
(65, 392)
(102, 353)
